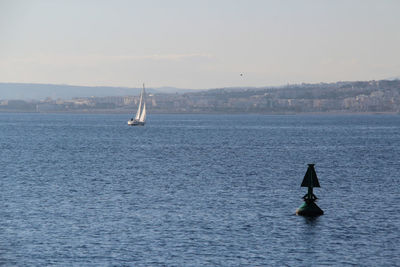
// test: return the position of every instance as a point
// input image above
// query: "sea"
(198, 190)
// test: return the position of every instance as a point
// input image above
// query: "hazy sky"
(198, 44)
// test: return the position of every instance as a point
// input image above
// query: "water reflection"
(312, 221)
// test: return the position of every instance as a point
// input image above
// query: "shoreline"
(108, 112)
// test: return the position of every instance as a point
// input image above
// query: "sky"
(198, 44)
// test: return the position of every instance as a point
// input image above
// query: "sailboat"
(140, 117)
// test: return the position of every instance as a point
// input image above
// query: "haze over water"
(197, 190)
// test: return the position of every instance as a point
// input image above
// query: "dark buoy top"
(310, 180)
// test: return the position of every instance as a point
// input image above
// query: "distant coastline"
(361, 97)
(130, 112)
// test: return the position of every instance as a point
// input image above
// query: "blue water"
(198, 190)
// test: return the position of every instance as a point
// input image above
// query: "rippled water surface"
(198, 190)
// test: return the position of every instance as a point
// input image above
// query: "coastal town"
(346, 97)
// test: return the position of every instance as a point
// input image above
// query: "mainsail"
(143, 115)
(140, 105)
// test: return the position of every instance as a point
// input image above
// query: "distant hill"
(31, 91)
(343, 97)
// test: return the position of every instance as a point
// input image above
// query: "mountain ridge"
(39, 91)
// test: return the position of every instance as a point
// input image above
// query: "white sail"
(143, 115)
(140, 106)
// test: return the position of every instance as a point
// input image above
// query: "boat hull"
(136, 123)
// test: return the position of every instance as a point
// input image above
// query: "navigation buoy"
(309, 208)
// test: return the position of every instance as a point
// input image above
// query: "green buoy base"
(309, 209)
